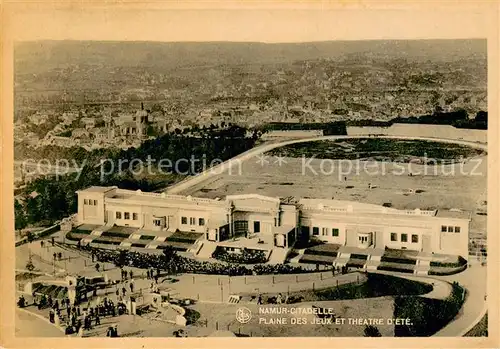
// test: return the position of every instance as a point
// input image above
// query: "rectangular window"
(192, 221)
(127, 215)
(201, 221)
(414, 238)
(443, 228)
(85, 201)
(118, 215)
(457, 229)
(157, 222)
(335, 232)
(135, 216)
(404, 237)
(450, 229)
(394, 237)
(324, 231)
(315, 231)
(184, 220)
(95, 202)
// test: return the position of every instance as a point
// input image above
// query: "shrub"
(428, 315)
(191, 316)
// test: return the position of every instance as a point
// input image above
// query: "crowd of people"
(175, 263)
(78, 320)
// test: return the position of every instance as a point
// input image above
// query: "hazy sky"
(305, 23)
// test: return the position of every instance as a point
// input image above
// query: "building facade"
(281, 223)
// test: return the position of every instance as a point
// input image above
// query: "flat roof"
(97, 189)
(453, 214)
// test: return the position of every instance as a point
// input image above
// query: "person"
(259, 299)
(131, 274)
(51, 316)
(117, 292)
(124, 291)
(97, 320)
(279, 299)
(132, 287)
(109, 333)
(41, 243)
(78, 326)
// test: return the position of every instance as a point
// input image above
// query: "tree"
(168, 255)
(122, 258)
(372, 331)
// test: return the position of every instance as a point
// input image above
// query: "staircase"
(206, 250)
(342, 259)
(422, 267)
(372, 263)
(297, 258)
(278, 255)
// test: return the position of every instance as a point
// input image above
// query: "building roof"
(254, 202)
(96, 189)
(453, 214)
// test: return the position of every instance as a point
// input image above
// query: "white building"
(359, 225)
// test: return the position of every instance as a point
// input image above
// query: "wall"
(421, 130)
(317, 220)
(91, 214)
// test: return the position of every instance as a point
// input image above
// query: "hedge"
(398, 260)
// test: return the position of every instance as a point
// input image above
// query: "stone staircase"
(278, 255)
(342, 259)
(206, 250)
(92, 236)
(422, 267)
(372, 263)
(297, 258)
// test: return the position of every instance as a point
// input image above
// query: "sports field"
(409, 185)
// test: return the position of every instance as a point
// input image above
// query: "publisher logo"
(243, 315)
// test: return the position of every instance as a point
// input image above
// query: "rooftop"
(97, 189)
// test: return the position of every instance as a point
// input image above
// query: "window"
(335, 232)
(443, 228)
(414, 238)
(394, 237)
(404, 237)
(315, 231)
(95, 202)
(157, 222)
(118, 215)
(457, 229)
(192, 221)
(201, 221)
(363, 238)
(85, 201)
(127, 215)
(324, 231)
(184, 220)
(135, 216)
(450, 229)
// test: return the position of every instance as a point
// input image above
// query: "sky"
(231, 22)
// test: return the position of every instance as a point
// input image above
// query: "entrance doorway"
(256, 227)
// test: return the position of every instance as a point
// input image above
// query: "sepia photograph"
(194, 179)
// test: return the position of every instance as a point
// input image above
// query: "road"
(30, 325)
